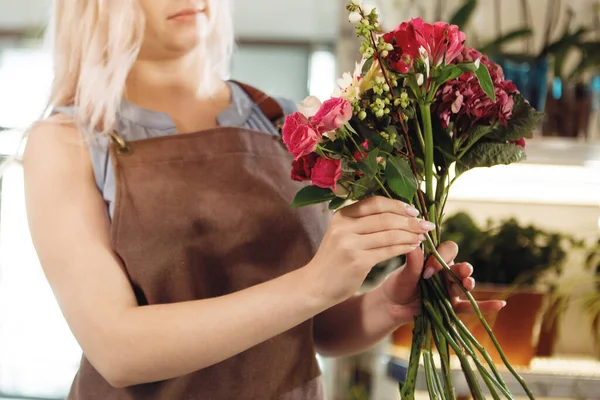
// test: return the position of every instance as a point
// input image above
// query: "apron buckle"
(122, 148)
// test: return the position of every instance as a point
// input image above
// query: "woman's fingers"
(448, 251)
(389, 221)
(390, 238)
(488, 306)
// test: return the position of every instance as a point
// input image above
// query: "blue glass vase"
(529, 74)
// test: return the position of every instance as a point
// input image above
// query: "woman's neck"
(171, 86)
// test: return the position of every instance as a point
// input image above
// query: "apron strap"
(269, 106)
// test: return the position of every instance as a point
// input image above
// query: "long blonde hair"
(96, 42)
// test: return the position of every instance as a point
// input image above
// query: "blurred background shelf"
(563, 151)
(546, 378)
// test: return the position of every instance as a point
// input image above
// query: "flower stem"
(408, 388)
(420, 135)
(433, 383)
(382, 187)
(437, 286)
(428, 150)
(442, 345)
(463, 339)
(464, 362)
(481, 318)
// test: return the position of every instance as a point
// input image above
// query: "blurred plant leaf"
(495, 45)
(463, 15)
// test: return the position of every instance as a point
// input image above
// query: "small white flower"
(354, 17)
(309, 106)
(367, 9)
(331, 135)
(477, 63)
(341, 191)
(357, 2)
(425, 57)
(420, 79)
(348, 87)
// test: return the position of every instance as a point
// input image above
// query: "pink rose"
(299, 136)
(302, 167)
(326, 173)
(333, 114)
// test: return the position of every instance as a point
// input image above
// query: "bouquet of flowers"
(419, 111)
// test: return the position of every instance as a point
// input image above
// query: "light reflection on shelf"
(530, 183)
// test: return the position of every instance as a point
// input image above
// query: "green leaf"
(364, 187)
(488, 154)
(367, 66)
(400, 177)
(463, 15)
(453, 71)
(312, 195)
(369, 166)
(485, 81)
(468, 67)
(521, 124)
(448, 73)
(473, 135)
(336, 203)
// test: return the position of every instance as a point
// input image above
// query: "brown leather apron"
(202, 215)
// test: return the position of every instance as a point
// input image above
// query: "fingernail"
(503, 303)
(429, 271)
(428, 226)
(473, 282)
(470, 269)
(421, 237)
(410, 210)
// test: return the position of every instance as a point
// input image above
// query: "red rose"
(326, 173)
(300, 137)
(333, 114)
(302, 167)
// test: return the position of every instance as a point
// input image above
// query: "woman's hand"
(401, 290)
(359, 237)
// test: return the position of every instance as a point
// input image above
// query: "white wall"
(23, 13)
(311, 20)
